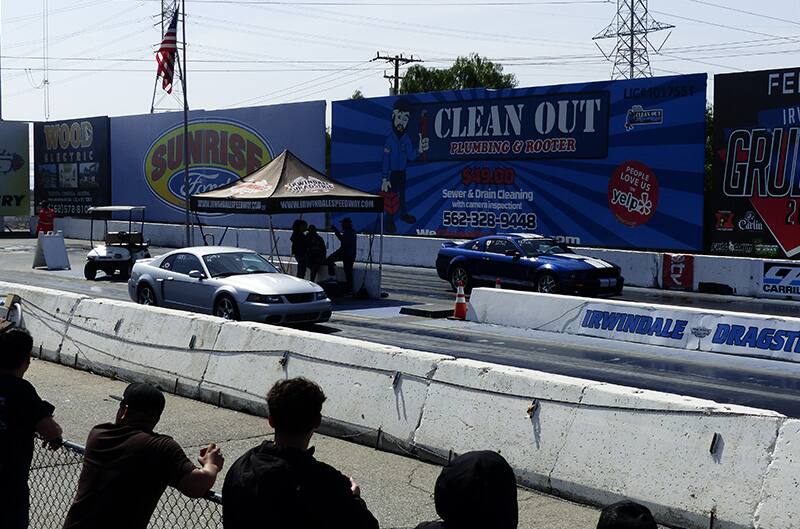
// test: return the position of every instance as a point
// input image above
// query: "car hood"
(271, 284)
(573, 261)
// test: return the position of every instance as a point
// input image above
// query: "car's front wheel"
(146, 296)
(547, 283)
(225, 307)
(459, 274)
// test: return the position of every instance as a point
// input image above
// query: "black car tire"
(145, 295)
(459, 273)
(90, 271)
(547, 283)
(225, 307)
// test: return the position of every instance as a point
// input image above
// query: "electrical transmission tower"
(162, 101)
(631, 27)
(396, 60)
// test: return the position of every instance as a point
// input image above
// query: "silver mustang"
(231, 283)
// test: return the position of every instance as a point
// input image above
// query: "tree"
(357, 95)
(472, 71)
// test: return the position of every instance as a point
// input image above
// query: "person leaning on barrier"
(22, 413)
(475, 490)
(626, 515)
(280, 485)
(127, 467)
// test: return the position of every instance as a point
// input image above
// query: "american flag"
(166, 54)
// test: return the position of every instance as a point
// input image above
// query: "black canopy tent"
(288, 185)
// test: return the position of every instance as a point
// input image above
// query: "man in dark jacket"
(346, 252)
(22, 413)
(476, 490)
(280, 485)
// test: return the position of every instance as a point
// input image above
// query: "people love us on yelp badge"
(633, 193)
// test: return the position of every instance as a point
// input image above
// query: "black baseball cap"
(144, 398)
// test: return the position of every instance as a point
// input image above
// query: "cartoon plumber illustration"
(397, 153)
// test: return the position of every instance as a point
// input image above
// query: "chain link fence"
(54, 480)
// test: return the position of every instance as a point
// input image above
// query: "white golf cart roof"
(106, 209)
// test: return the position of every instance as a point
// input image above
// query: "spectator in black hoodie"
(626, 515)
(280, 485)
(476, 490)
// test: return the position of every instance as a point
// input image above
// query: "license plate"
(608, 283)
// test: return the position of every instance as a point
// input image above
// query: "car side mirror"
(197, 274)
(513, 253)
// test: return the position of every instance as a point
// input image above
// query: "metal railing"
(54, 480)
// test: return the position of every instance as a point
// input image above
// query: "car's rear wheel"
(146, 296)
(90, 271)
(459, 274)
(547, 283)
(225, 307)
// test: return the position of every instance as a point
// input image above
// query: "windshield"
(533, 247)
(237, 263)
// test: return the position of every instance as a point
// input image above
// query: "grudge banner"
(614, 163)
(224, 145)
(756, 189)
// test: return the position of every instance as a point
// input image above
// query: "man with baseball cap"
(127, 466)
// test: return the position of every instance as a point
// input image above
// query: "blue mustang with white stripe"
(529, 262)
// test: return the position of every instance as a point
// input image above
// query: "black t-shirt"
(284, 488)
(20, 409)
(125, 472)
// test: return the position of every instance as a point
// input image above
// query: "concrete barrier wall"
(585, 440)
(640, 269)
(751, 335)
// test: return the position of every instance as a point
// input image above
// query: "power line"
(724, 26)
(735, 10)
(398, 4)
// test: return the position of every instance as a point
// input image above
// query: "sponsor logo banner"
(611, 163)
(677, 272)
(72, 164)
(224, 146)
(781, 280)
(14, 170)
(756, 174)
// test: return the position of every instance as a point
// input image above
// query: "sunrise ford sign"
(224, 145)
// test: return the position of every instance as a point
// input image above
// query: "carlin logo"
(220, 152)
(309, 184)
(751, 223)
(637, 115)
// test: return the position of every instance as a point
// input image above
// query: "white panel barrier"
(733, 333)
(694, 462)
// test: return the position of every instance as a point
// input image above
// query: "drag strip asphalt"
(763, 384)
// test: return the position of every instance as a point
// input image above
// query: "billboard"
(224, 145)
(756, 178)
(14, 170)
(72, 164)
(614, 163)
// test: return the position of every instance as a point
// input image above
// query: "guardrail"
(54, 480)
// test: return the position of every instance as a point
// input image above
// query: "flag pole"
(185, 134)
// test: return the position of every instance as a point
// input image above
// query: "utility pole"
(396, 60)
(631, 26)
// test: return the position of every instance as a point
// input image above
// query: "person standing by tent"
(47, 217)
(316, 251)
(346, 252)
(300, 246)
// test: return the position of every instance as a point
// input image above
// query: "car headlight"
(320, 295)
(260, 298)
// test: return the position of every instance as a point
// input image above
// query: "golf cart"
(121, 248)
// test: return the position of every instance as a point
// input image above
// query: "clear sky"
(252, 52)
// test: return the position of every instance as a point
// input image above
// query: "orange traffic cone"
(460, 311)
(497, 283)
